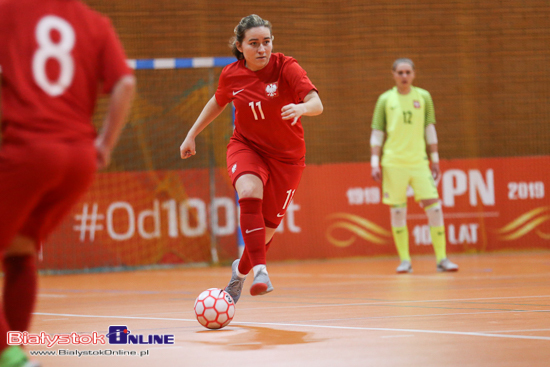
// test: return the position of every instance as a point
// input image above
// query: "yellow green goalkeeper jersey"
(404, 118)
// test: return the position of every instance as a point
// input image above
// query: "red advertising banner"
(144, 218)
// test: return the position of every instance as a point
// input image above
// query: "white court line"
(392, 277)
(463, 333)
(458, 215)
(434, 315)
(111, 317)
(396, 336)
(396, 302)
(47, 295)
(517, 331)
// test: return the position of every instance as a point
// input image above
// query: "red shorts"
(280, 179)
(39, 183)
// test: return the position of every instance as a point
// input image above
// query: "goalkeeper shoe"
(404, 267)
(447, 265)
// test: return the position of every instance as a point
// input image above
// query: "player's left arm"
(431, 141)
(431, 135)
(312, 106)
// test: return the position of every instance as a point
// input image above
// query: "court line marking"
(434, 315)
(440, 332)
(436, 276)
(516, 331)
(458, 215)
(48, 295)
(396, 336)
(158, 348)
(396, 302)
(381, 279)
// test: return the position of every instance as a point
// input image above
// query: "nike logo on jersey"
(252, 230)
(237, 92)
(280, 215)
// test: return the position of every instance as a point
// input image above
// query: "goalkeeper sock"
(401, 239)
(439, 242)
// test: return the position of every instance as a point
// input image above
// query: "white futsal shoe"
(447, 265)
(404, 267)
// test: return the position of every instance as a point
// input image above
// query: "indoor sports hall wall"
(486, 64)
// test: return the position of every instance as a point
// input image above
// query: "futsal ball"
(214, 308)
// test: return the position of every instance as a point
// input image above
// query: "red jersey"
(258, 97)
(52, 60)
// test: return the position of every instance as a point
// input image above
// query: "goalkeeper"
(404, 116)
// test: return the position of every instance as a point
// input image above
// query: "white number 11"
(259, 105)
(289, 196)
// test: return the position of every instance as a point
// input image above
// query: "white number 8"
(59, 51)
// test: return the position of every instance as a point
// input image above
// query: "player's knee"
(250, 192)
(249, 186)
(434, 214)
(21, 245)
(398, 216)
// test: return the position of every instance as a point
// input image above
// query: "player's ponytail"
(250, 21)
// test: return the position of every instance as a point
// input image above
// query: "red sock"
(244, 264)
(253, 230)
(20, 287)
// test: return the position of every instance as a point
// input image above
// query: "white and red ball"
(214, 308)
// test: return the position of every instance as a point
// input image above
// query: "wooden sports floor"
(494, 312)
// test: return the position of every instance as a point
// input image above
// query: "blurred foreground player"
(405, 116)
(54, 54)
(266, 154)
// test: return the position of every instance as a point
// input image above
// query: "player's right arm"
(208, 114)
(120, 83)
(431, 135)
(119, 107)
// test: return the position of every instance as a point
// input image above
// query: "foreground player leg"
(437, 231)
(20, 283)
(401, 237)
(19, 295)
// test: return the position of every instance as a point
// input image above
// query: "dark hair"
(245, 24)
(402, 60)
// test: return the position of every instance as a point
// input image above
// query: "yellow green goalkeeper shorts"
(395, 181)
